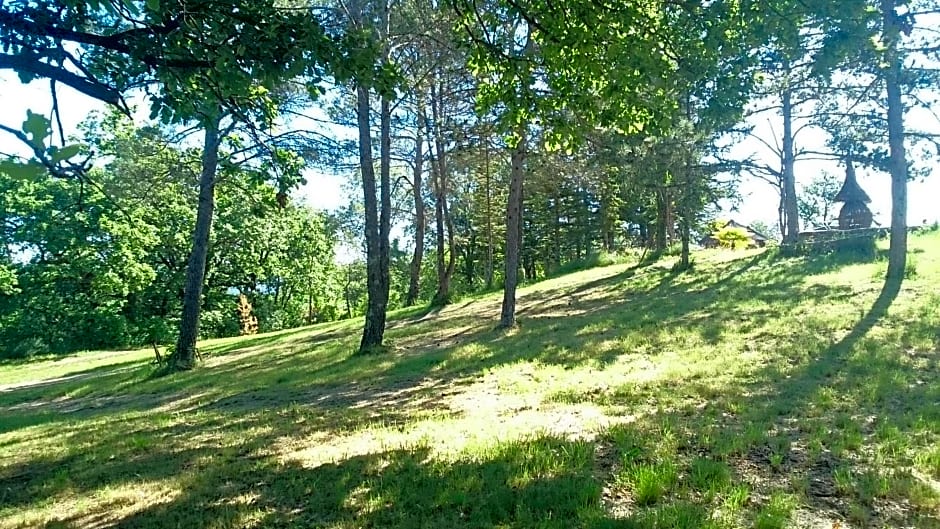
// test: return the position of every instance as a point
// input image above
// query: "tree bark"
(377, 215)
(790, 208)
(443, 221)
(897, 252)
(685, 261)
(184, 357)
(374, 329)
(513, 231)
(414, 285)
(443, 282)
(385, 195)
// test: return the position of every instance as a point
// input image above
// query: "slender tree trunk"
(686, 235)
(374, 330)
(347, 294)
(445, 271)
(414, 285)
(897, 253)
(184, 357)
(670, 215)
(685, 219)
(443, 282)
(790, 208)
(377, 215)
(513, 232)
(385, 213)
(451, 243)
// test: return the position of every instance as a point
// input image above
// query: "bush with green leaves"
(733, 237)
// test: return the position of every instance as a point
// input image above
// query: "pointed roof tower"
(851, 191)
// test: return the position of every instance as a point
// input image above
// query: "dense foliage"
(101, 264)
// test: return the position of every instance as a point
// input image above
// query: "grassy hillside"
(756, 391)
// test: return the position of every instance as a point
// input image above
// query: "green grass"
(755, 391)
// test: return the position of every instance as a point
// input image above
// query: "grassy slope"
(753, 392)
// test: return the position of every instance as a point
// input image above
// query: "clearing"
(756, 391)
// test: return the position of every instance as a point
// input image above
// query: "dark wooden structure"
(855, 213)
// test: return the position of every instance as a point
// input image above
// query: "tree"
(733, 237)
(815, 206)
(369, 22)
(548, 63)
(102, 263)
(875, 47)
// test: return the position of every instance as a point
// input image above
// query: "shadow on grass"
(817, 423)
(786, 420)
(544, 481)
(316, 367)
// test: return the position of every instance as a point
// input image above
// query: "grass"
(755, 391)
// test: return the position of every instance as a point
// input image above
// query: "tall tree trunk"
(670, 216)
(443, 220)
(686, 235)
(897, 253)
(185, 354)
(685, 218)
(443, 282)
(377, 215)
(374, 330)
(385, 213)
(513, 231)
(414, 285)
(790, 208)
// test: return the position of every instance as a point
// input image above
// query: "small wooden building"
(855, 213)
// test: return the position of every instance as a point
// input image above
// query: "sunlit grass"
(755, 391)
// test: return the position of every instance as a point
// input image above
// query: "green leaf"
(38, 127)
(22, 171)
(153, 5)
(64, 153)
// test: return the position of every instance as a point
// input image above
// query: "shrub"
(732, 237)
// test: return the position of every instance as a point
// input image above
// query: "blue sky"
(758, 199)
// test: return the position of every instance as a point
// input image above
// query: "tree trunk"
(685, 260)
(374, 330)
(513, 232)
(377, 216)
(385, 213)
(347, 294)
(443, 282)
(897, 253)
(670, 217)
(443, 220)
(184, 357)
(790, 208)
(414, 285)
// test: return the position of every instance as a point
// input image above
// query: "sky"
(758, 200)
